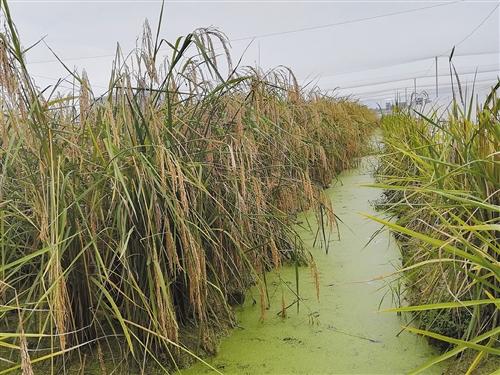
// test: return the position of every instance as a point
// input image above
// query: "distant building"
(388, 104)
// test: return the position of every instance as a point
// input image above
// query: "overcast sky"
(354, 45)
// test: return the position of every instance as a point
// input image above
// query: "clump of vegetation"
(441, 175)
(129, 220)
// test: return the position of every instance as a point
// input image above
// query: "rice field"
(138, 225)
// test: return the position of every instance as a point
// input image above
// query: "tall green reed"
(441, 175)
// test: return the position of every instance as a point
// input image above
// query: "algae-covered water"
(342, 333)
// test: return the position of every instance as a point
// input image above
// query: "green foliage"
(441, 175)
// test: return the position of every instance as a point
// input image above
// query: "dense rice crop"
(442, 179)
(130, 220)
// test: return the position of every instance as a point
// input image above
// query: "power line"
(342, 88)
(447, 87)
(412, 77)
(304, 29)
(418, 74)
(471, 33)
(436, 56)
(326, 26)
(435, 62)
(407, 61)
(387, 90)
(478, 26)
(444, 53)
(66, 80)
(376, 83)
(71, 59)
(357, 20)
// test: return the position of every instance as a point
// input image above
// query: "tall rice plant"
(129, 220)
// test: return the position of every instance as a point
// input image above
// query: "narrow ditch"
(342, 332)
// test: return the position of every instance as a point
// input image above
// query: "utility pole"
(414, 90)
(258, 63)
(437, 93)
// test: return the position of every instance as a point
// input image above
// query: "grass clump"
(129, 220)
(441, 175)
